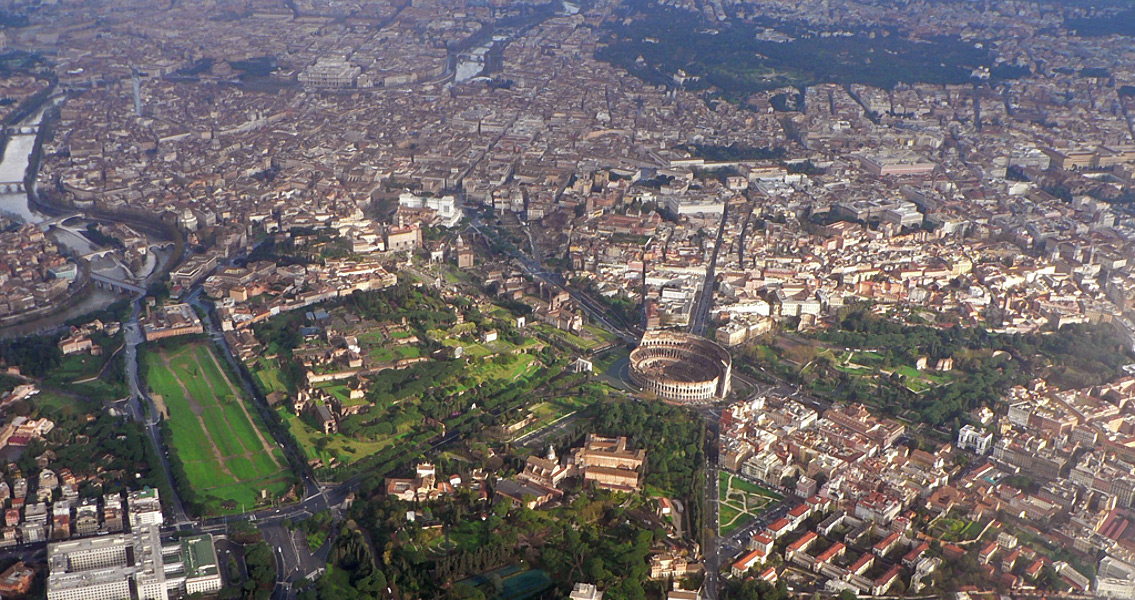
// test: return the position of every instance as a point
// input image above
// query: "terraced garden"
(227, 454)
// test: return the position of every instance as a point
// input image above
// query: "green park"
(230, 461)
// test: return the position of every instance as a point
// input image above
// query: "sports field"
(227, 454)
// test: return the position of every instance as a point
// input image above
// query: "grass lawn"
(80, 367)
(549, 411)
(408, 352)
(66, 406)
(868, 364)
(381, 354)
(517, 365)
(956, 529)
(600, 334)
(371, 338)
(740, 501)
(752, 488)
(337, 390)
(971, 531)
(727, 518)
(315, 540)
(77, 366)
(472, 350)
(568, 338)
(267, 372)
(327, 447)
(221, 442)
(909, 372)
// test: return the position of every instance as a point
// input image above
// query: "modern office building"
(135, 565)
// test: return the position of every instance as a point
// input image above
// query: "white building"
(448, 208)
(106, 568)
(330, 72)
(971, 438)
(693, 205)
(145, 508)
(1115, 579)
(132, 566)
(585, 591)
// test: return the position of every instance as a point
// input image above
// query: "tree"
(496, 582)
(464, 591)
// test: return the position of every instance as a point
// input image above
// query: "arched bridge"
(48, 224)
(99, 253)
(115, 285)
(22, 130)
(12, 187)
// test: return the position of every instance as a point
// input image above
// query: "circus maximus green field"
(227, 455)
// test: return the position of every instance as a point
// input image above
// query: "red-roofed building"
(1009, 561)
(860, 566)
(798, 514)
(878, 508)
(16, 580)
(837, 550)
(953, 551)
(763, 542)
(819, 504)
(987, 552)
(769, 575)
(800, 545)
(746, 562)
(887, 544)
(1033, 570)
(982, 470)
(915, 553)
(885, 581)
(780, 528)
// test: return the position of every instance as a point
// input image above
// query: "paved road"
(536, 439)
(132, 333)
(720, 551)
(294, 560)
(700, 317)
(712, 560)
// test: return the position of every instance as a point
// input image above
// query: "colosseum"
(681, 367)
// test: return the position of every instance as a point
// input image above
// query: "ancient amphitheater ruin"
(681, 367)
